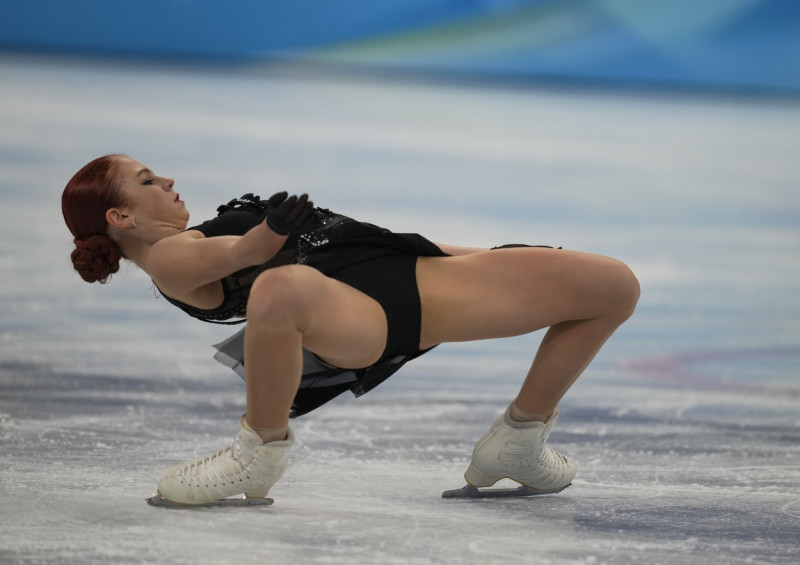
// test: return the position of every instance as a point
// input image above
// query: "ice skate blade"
(470, 491)
(157, 500)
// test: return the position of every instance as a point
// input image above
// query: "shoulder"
(176, 241)
(169, 253)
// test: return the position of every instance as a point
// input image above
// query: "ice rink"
(686, 427)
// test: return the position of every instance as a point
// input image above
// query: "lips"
(177, 197)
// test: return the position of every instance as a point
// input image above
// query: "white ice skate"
(516, 451)
(249, 466)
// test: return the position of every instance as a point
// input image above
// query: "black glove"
(288, 215)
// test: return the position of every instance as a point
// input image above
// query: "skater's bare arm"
(189, 260)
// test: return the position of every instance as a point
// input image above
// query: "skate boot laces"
(247, 466)
(220, 467)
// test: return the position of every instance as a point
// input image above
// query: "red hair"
(86, 198)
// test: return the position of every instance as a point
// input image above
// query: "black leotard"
(374, 260)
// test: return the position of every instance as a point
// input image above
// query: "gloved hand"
(289, 215)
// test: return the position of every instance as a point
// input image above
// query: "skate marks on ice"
(647, 484)
(240, 502)
(471, 493)
(792, 509)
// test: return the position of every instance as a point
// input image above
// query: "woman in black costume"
(355, 302)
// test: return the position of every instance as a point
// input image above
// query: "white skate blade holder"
(471, 492)
(237, 502)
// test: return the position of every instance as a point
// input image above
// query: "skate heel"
(478, 478)
(258, 493)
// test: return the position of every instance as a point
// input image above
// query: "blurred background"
(664, 133)
(747, 46)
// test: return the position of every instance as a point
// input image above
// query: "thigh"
(509, 292)
(340, 324)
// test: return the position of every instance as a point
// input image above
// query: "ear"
(119, 218)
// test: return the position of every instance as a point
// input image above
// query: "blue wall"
(749, 45)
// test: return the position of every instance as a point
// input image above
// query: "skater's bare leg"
(296, 306)
(290, 307)
(581, 298)
(565, 351)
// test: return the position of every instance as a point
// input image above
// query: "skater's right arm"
(189, 261)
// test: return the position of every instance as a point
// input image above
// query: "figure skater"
(334, 304)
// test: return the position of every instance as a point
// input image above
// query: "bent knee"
(281, 294)
(626, 290)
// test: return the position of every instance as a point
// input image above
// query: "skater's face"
(149, 199)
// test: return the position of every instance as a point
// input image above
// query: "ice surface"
(686, 428)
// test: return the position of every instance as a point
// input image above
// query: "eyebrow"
(145, 170)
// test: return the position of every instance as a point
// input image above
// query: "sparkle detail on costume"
(314, 241)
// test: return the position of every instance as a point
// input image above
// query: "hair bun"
(96, 258)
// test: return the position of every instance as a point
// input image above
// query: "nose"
(167, 184)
